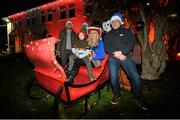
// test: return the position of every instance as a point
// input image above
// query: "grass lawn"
(162, 96)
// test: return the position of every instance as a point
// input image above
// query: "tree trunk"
(153, 62)
(154, 52)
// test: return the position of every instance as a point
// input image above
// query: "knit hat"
(69, 22)
(99, 30)
(84, 32)
(85, 24)
(117, 16)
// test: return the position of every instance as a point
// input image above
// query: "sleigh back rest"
(97, 71)
(42, 54)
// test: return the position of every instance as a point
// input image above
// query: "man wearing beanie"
(67, 37)
(119, 43)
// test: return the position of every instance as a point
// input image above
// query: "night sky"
(8, 7)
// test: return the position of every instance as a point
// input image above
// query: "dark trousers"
(65, 57)
(130, 69)
(85, 60)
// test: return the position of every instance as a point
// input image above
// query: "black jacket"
(121, 39)
(61, 45)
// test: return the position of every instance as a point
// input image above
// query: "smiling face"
(115, 24)
(69, 24)
(81, 36)
(93, 38)
(93, 34)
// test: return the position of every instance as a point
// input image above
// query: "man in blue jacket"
(119, 43)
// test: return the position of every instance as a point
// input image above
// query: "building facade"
(44, 21)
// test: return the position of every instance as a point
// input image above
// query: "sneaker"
(92, 78)
(142, 106)
(115, 99)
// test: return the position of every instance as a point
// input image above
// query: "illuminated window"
(71, 11)
(63, 12)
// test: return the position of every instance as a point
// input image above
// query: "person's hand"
(77, 54)
(119, 55)
(90, 56)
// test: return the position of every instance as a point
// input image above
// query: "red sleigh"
(51, 76)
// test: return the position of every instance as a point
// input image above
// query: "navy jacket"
(121, 39)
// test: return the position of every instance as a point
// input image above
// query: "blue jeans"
(130, 69)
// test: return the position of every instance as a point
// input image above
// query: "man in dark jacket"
(119, 43)
(67, 37)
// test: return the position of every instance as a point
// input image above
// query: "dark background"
(9, 7)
